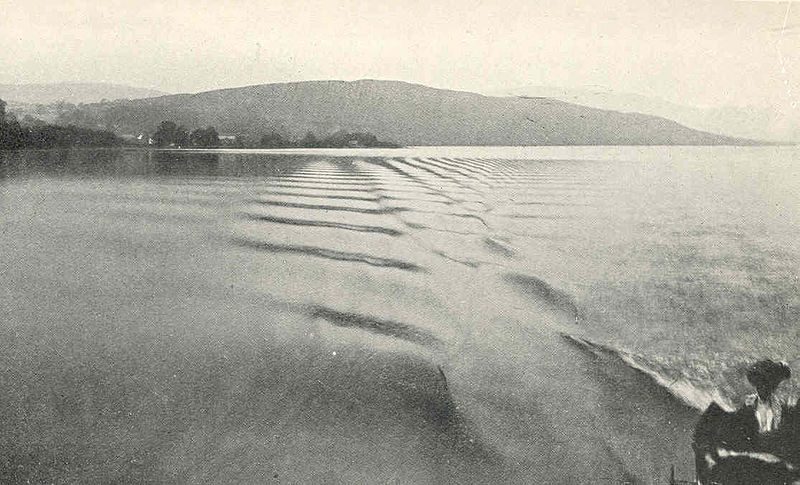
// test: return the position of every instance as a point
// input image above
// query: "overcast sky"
(696, 53)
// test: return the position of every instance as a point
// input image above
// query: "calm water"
(239, 316)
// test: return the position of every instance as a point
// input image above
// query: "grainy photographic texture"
(399, 242)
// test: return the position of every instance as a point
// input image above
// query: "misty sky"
(696, 53)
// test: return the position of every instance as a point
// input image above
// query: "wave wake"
(686, 391)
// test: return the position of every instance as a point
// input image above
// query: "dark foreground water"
(447, 315)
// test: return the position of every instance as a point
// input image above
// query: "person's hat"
(768, 373)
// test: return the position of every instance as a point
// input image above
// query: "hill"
(760, 122)
(71, 93)
(409, 114)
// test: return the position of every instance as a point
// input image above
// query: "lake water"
(422, 315)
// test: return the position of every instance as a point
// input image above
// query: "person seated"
(757, 442)
(765, 406)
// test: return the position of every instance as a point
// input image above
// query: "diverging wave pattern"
(421, 241)
(410, 226)
(469, 264)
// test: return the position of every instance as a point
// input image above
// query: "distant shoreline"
(344, 149)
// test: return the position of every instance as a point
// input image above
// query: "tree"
(168, 133)
(165, 133)
(181, 137)
(273, 140)
(204, 137)
(212, 137)
(337, 140)
(12, 135)
(309, 141)
(38, 134)
(197, 137)
(343, 139)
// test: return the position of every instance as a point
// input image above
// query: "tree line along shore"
(39, 135)
(169, 134)
(33, 133)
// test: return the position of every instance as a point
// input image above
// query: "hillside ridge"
(406, 113)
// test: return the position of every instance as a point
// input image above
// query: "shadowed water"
(431, 315)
